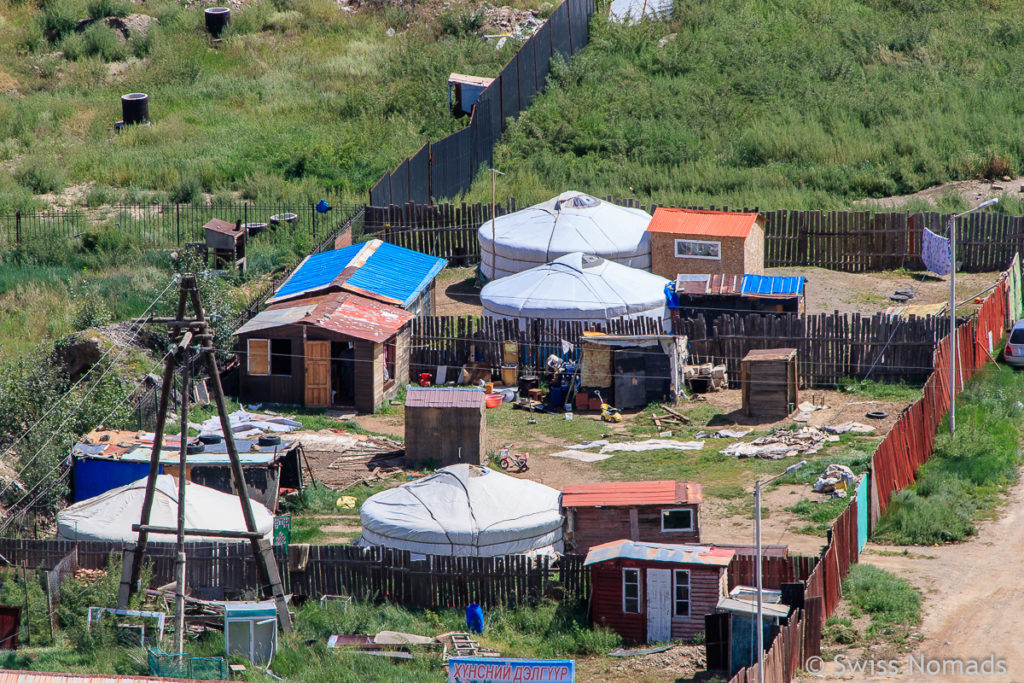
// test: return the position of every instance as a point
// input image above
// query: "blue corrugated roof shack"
(712, 295)
(375, 269)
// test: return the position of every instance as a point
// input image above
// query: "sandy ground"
(971, 191)
(827, 290)
(972, 603)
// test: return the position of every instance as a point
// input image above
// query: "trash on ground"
(723, 434)
(782, 444)
(852, 427)
(582, 456)
(653, 445)
(835, 477)
(247, 425)
(588, 444)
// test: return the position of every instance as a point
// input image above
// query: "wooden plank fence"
(830, 346)
(850, 241)
(380, 574)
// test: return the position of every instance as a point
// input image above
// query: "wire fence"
(168, 225)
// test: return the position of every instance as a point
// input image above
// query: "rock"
(1005, 178)
(997, 187)
(667, 39)
(390, 33)
(134, 25)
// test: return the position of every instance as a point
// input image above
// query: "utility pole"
(187, 335)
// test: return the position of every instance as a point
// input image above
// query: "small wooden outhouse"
(695, 241)
(656, 592)
(226, 241)
(769, 382)
(445, 426)
(652, 511)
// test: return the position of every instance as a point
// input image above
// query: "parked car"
(1013, 354)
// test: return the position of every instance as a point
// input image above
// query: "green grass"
(820, 512)
(283, 108)
(967, 473)
(783, 105)
(889, 600)
(870, 390)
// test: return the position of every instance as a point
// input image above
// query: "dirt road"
(973, 600)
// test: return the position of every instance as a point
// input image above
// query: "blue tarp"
(94, 476)
(391, 271)
(768, 285)
(863, 512)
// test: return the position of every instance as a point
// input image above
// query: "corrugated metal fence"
(893, 466)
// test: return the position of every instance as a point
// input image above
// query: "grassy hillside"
(787, 104)
(299, 97)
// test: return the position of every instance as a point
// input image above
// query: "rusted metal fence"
(895, 462)
(849, 241)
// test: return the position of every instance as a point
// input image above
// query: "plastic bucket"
(493, 400)
(475, 618)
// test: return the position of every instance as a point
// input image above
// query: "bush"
(99, 40)
(60, 17)
(887, 598)
(101, 9)
(40, 176)
(189, 190)
(461, 22)
(839, 631)
(101, 195)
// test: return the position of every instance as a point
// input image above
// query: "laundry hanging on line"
(935, 253)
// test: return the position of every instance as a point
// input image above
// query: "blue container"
(557, 394)
(475, 618)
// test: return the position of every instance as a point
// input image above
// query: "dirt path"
(973, 599)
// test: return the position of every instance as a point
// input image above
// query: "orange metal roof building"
(617, 493)
(701, 222)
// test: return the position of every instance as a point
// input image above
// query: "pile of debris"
(342, 459)
(508, 22)
(783, 443)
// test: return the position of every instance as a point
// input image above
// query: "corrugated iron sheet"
(702, 223)
(218, 225)
(276, 317)
(374, 269)
(660, 552)
(769, 354)
(356, 316)
(768, 285)
(615, 493)
(455, 397)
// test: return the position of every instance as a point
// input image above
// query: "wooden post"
(179, 590)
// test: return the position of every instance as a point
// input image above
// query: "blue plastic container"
(557, 394)
(475, 618)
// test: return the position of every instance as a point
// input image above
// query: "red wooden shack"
(656, 592)
(653, 511)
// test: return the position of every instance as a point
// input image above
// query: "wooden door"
(659, 605)
(318, 374)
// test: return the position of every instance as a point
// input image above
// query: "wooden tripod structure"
(189, 336)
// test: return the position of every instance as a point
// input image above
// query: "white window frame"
(675, 531)
(248, 355)
(639, 590)
(675, 594)
(717, 244)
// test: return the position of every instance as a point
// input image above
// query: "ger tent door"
(318, 374)
(659, 605)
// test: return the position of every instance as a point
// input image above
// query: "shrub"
(60, 17)
(100, 195)
(839, 630)
(104, 42)
(101, 9)
(461, 22)
(188, 190)
(40, 176)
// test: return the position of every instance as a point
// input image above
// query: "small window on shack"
(631, 591)
(280, 356)
(389, 360)
(699, 249)
(682, 593)
(679, 519)
(258, 356)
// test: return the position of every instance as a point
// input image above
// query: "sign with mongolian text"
(499, 670)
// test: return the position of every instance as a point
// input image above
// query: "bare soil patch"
(972, 191)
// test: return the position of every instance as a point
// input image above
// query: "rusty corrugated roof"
(51, 677)
(217, 225)
(660, 552)
(769, 354)
(617, 493)
(703, 223)
(444, 397)
(341, 312)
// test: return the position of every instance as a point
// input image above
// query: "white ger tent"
(110, 516)
(465, 510)
(576, 287)
(570, 222)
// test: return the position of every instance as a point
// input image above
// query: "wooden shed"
(696, 241)
(655, 592)
(769, 379)
(335, 349)
(652, 511)
(445, 426)
(226, 241)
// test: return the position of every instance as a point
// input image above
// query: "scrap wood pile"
(671, 418)
(341, 459)
(783, 443)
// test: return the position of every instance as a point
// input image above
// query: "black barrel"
(135, 108)
(216, 19)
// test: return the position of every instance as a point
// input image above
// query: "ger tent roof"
(570, 222)
(465, 510)
(576, 287)
(110, 516)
